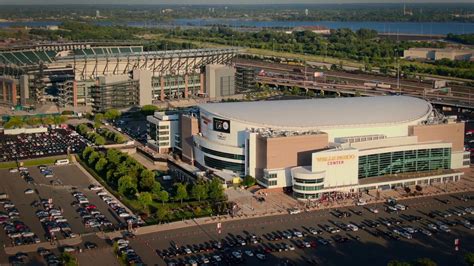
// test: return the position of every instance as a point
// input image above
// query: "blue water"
(382, 27)
(29, 24)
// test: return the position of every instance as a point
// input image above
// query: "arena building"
(322, 145)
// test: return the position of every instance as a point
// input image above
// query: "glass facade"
(308, 188)
(267, 182)
(223, 154)
(308, 181)
(219, 164)
(404, 161)
(305, 196)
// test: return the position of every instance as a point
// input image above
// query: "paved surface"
(438, 247)
(72, 178)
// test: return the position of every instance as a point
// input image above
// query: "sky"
(132, 2)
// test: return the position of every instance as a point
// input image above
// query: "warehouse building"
(322, 145)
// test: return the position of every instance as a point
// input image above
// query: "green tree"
(14, 122)
(86, 152)
(145, 200)
(147, 180)
(99, 140)
(114, 156)
(424, 262)
(156, 188)
(100, 164)
(148, 109)
(469, 258)
(216, 191)
(112, 114)
(181, 192)
(68, 259)
(126, 186)
(248, 181)
(47, 120)
(199, 191)
(98, 120)
(163, 196)
(59, 119)
(398, 263)
(93, 157)
(33, 121)
(162, 212)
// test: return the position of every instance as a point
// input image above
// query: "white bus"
(62, 162)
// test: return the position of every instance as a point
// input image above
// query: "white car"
(373, 210)
(29, 191)
(297, 234)
(261, 256)
(249, 253)
(237, 254)
(361, 203)
(217, 258)
(102, 193)
(124, 214)
(400, 207)
(425, 232)
(294, 211)
(83, 201)
(352, 227)
(314, 231)
(444, 228)
(14, 170)
(69, 249)
(432, 227)
(95, 188)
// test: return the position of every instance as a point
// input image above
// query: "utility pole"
(398, 66)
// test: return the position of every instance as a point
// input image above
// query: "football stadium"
(102, 75)
(316, 146)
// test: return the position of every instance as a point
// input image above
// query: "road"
(370, 250)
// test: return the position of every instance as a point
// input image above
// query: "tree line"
(33, 121)
(139, 185)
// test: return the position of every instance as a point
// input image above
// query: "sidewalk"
(465, 185)
(47, 245)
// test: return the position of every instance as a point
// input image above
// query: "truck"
(384, 86)
(370, 85)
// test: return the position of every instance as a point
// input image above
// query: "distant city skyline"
(225, 2)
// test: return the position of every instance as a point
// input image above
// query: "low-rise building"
(438, 54)
(163, 131)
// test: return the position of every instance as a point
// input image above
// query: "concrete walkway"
(47, 245)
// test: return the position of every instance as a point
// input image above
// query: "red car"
(91, 207)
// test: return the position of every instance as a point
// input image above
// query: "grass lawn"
(33, 162)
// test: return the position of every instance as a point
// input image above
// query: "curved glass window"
(305, 196)
(219, 164)
(308, 181)
(308, 188)
(223, 154)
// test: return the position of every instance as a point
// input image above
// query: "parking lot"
(28, 146)
(47, 206)
(386, 235)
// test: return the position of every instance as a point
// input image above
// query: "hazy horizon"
(222, 2)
